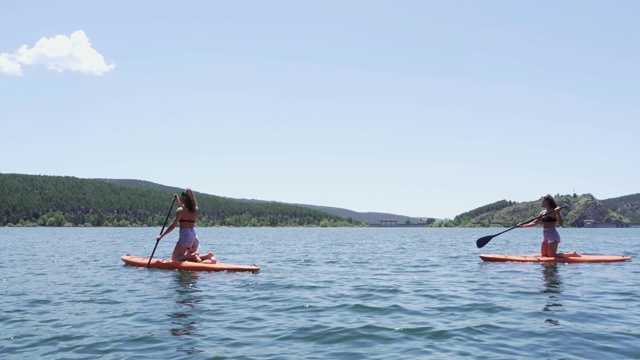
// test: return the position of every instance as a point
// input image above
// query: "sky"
(418, 108)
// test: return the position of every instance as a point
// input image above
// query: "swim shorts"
(188, 239)
(550, 235)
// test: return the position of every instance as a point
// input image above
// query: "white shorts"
(188, 239)
(550, 235)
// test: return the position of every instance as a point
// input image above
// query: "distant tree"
(27, 200)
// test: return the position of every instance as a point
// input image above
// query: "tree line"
(466, 219)
(37, 200)
(578, 212)
(628, 206)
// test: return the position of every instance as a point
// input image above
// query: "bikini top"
(548, 218)
(187, 221)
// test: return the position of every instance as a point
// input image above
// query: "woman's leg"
(178, 252)
(544, 249)
(553, 248)
(191, 255)
(194, 256)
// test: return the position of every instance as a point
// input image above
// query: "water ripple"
(321, 294)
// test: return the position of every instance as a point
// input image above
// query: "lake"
(322, 293)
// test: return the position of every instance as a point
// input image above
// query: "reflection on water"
(553, 287)
(188, 291)
(188, 295)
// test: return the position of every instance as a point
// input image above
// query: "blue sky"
(420, 108)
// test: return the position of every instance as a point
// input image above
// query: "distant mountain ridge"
(584, 210)
(628, 206)
(39, 200)
(581, 211)
(372, 218)
(142, 183)
(28, 200)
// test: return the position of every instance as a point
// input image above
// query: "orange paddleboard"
(186, 265)
(560, 258)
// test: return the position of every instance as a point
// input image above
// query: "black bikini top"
(548, 218)
(188, 221)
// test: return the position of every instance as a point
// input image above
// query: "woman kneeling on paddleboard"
(187, 245)
(550, 217)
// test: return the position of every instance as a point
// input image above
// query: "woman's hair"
(549, 199)
(189, 200)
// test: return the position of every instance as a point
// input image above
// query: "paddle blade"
(483, 241)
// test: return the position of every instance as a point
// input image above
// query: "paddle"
(161, 231)
(485, 239)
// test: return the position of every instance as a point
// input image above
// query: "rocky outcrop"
(589, 211)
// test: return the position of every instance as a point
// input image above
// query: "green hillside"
(371, 218)
(30, 200)
(583, 210)
(34, 200)
(628, 206)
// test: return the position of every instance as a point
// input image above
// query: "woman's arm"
(173, 224)
(534, 222)
(560, 223)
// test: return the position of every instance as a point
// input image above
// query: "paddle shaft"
(161, 231)
(485, 240)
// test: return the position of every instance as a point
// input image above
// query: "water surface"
(322, 293)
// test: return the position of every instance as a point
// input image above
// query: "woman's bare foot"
(209, 256)
(193, 258)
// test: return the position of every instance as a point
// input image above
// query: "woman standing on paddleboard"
(550, 218)
(186, 215)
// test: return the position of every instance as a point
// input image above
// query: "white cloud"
(8, 66)
(58, 53)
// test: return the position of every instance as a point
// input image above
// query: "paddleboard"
(560, 258)
(186, 265)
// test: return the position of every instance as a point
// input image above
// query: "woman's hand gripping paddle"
(485, 239)
(161, 231)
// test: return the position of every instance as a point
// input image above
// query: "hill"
(35, 200)
(371, 218)
(142, 184)
(30, 200)
(627, 206)
(581, 211)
